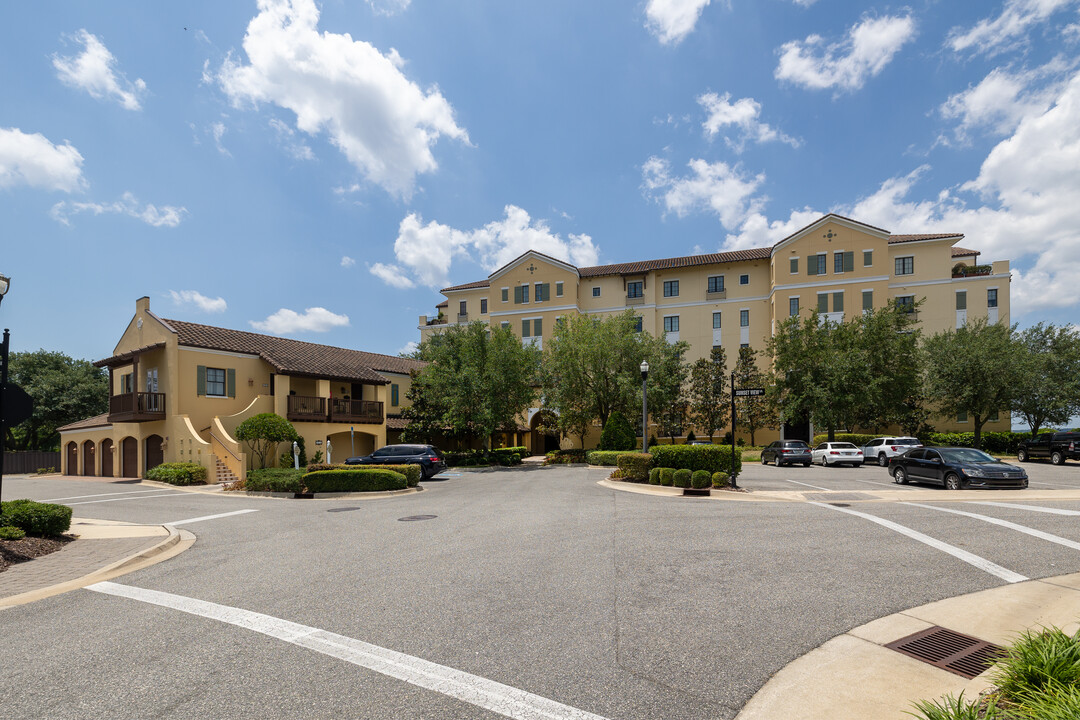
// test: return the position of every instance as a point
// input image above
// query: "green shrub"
(701, 479)
(713, 458)
(46, 470)
(603, 457)
(690, 437)
(317, 466)
(667, 476)
(181, 473)
(634, 466)
(36, 518)
(275, 480)
(358, 480)
(955, 708)
(10, 532)
(1000, 443)
(654, 476)
(498, 456)
(617, 433)
(264, 432)
(565, 457)
(720, 479)
(682, 478)
(1038, 658)
(412, 473)
(859, 439)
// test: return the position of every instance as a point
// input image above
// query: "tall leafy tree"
(975, 369)
(708, 392)
(889, 370)
(667, 384)
(64, 390)
(754, 413)
(1048, 391)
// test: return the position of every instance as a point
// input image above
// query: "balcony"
(716, 295)
(304, 408)
(356, 411)
(137, 407)
(635, 300)
(463, 317)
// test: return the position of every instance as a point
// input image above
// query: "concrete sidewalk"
(103, 550)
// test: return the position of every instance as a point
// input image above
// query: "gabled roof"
(532, 253)
(125, 358)
(894, 239)
(466, 286)
(101, 420)
(964, 252)
(831, 217)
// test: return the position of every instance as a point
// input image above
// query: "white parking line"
(208, 517)
(816, 487)
(127, 492)
(147, 497)
(484, 693)
(1006, 524)
(894, 486)
(1053, 485)
(1035, 508)
(970, 558)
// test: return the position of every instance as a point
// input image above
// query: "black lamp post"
(5, 283)
(644, 406)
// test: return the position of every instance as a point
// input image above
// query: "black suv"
(1059, 447)
(428, 457)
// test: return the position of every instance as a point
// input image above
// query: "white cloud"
(347, 262)
(382, 122)
(193, 297)
(218, 130)
(757, 231)
(94, 70)
(128, 204)
(286, 137)
(427, 251)
(741, 115)
(287, 322)
(1008, 29)
(870, 46)
(715, 187)
(673, 20)
(409, 348)
(388, 7)
(804, 3)
(30, 159)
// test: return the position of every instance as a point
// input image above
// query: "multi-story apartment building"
(178, 390)
(835, 265)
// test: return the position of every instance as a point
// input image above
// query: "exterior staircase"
(223, 475)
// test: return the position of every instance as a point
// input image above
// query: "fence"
(29, 462)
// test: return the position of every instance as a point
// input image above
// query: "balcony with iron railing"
(307, 408)
(137, 407)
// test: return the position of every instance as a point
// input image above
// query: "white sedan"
(837, 453)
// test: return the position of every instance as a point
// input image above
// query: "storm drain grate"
(949, 650)
(413, 518)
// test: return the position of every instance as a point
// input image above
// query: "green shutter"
(823, 303)
(524, 328)
(538, 327)
(868, 300)
(849, 261)
(961, 300)
(230, 382)
(394, 395)
(794, 266)
(517, 295)
(505, 294)
(811, 265)
(200, 380)
(547, 291)
(838, 302)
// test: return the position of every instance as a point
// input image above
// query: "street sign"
(18, 406)
(749, 392)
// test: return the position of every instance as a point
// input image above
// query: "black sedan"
(786, 452)
(428, 457)
(956, 468)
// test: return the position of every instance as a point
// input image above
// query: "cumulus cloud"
(288, 322)
(388, 7)
(740, 119)
(1007, 30)
(408, 348)
(424, 252)
(128, 204)
(869, 46)
(94, 70)
(194, 297)
(30, 159)
(347, 262)
(672, 20)
(713, 187)
(382, 121)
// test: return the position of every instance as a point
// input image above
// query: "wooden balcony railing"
(358, 411)
(306, 407)
(137, 407)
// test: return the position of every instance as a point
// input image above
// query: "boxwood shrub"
(180, 473)
(667, 476)
(682, 478)
(634, 466)
(275, 480)
(603, 457)
(565, 457)
(36, 518)
(999, 443)
(10, 532)
(858, 439)
(498, 456)
(412, 473)
(654, 476)
(358, 480)
(713, 458)
(701, 479)
(720, 479)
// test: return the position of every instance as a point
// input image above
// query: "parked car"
(428, 457)
(956, 468)
(837, 453)
(1058, 447)
(786, 452)
(883, 449)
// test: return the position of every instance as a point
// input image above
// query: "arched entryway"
(88, 457)
(72, 464)
(154, 453)
(544, 438)
(106, 452)
(129, 457)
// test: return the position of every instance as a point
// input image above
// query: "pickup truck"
(1058, 447)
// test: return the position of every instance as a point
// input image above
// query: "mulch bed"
(13, 552)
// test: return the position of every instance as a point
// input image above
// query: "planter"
(697, 491)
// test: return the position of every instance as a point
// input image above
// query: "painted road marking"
(1053, 485)
(147, 497)
(970, 558)
(816, 487)
(208, 517)
(127, 492)
(893, 485)
(1006, 524)
(1035, 508)
(484, 693)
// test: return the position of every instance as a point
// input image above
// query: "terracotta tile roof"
(644, 266)
(396, 422)
(445, 303)
(125, 358)
(895, 239)
(963, 252)
(101, 420)
(467, 286)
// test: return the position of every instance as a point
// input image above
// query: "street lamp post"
(644, 406)
(5, 283)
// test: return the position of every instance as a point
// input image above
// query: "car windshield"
(906, 441)
(966, 455)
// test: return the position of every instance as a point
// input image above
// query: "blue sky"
(320, 170)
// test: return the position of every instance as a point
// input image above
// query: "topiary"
(263, 433)
(617, 433)
(690, 437)
(667, 476)
(682, 478)
(701, 479)
(654, 476)
(720, 479)
(37, 518)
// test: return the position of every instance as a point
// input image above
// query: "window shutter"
(868, 300)
(230, 382)
(547, 292)
(838, 302)
(823, 303)
(517, 295)
(394, 395)
(811, 265)
(525, 328)
(538, 327)
(505, 294)
(200, 380)
(849, 261)
(961, 300)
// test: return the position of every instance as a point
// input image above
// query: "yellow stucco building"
(178, 390)
(835, 265)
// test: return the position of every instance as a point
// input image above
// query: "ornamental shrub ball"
(667, 476)
(682, 478)
(720, 479)
(617, 433)
(654, 476)
(701, 479)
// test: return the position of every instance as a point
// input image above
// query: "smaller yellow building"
(178, 390)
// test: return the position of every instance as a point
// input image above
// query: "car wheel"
(806, 464)
(824, 461)
(1057, 458)
(764, 461)
(952, 482)
(900, 476)
(1021, 455)
(882, 460)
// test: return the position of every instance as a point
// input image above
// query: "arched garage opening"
(129, 457)
(153, 452)
(88, 463)
(71, 464)
(545, 437)
(106, 452)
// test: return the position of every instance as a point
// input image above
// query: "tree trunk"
(978, 431)
(832, 433)
(752, 443)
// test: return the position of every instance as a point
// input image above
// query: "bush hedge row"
(1002, 443)
(498, 456)
(36, 518)
(412, 473)
(179, 473)
(275, 480)
(358, 480)
(714, 458)
(565, 457)
(635, 466)
(604, 457)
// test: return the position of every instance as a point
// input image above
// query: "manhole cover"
(341, 509)
(412, 518)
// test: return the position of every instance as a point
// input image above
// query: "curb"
(177, 542)
(325, 496)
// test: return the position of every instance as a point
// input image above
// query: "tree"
(64, 390)
(709, 396)
(975, 370)
(1048, 391)
(754, 413)
(890, 363)
(672, 417)
(263, 433)
(617, 433)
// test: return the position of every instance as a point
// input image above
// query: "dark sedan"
(956, 468)
(786, 452)
(428, 457)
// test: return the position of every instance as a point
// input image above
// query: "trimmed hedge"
(682, 478)
(1001, 443)
(701, 479)
(604, 457)
(275, 480)
(412, 473)
(667, 476)
(358, 480)
(635, 467)
(180, 473)
(720, 480)
(498, 456)
(565, 457)
(713, 458)
(654, 476)
(36, 518)
(859, 439)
